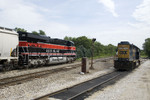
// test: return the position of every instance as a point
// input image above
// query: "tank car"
(127, 56)
(8, 48)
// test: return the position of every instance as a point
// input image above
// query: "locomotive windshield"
(70, 43)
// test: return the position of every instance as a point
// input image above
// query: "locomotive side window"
(23, 35)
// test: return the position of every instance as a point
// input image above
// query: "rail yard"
(41, 83)
(37, 67)
(75, 50)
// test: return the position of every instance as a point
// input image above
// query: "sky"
(109, 21)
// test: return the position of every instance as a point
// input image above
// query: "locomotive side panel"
(36, 50)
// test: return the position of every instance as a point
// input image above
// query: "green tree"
(20, 29)
(146, 47)
(41, 32)
(142, 53)
(83, 40)
(84, 45)
(67, 38)
(34, 32)
(98, 49)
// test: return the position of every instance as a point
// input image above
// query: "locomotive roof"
(127, 43)
(30, 35)
(8, 31)
(124, 43)
(42, 38)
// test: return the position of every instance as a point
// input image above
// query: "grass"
(97, 57)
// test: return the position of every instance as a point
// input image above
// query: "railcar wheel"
(26, 66)
(135, 65)
(7, 66)
(139, 62)
(132, 66)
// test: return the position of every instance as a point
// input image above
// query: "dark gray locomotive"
(23, 50)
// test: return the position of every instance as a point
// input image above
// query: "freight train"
(127, 56)
(23, 50)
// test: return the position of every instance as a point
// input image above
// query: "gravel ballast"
(135, 86)
(54, 82)
(14, 73)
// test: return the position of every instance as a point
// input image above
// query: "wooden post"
(85, 66)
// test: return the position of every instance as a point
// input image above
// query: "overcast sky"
(109, 21)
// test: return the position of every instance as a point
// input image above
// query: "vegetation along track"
(82, 90)
(27, 77)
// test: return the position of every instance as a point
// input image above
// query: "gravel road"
(135, 86)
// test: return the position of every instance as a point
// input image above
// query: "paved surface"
(135, 86)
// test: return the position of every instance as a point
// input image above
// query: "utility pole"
(92, 48)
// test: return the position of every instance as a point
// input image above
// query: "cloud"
(24, 14)
(142, 16)
(142, 12)
(110, 5)
(19, 12)
(141, 27)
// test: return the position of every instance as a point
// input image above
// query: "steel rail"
(27, 77)
(81, 88)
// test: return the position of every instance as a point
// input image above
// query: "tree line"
(41, 32)
(84, 47)
(146, 47)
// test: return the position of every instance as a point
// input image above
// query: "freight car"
(8, 43)
(23, 50)
(128, 56)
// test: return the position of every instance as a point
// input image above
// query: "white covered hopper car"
(8, 48)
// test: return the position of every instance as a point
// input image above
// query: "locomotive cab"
(128, 56)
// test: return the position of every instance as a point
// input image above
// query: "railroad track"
(80, 91)
(28, 77)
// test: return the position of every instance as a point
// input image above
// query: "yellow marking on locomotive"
(10, 51)
(123, 51)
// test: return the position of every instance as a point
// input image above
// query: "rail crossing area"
(65, 82)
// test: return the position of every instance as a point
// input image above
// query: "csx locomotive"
(24, 49)
(127, 56)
